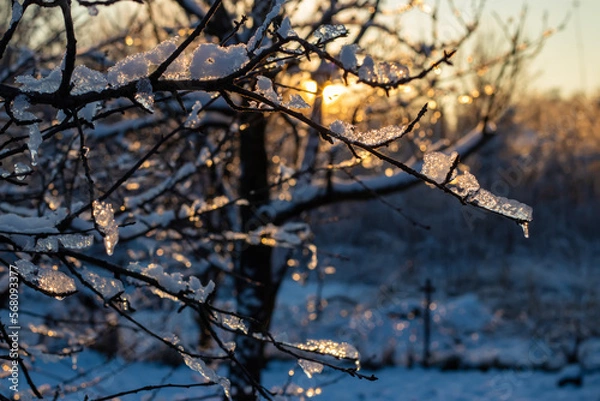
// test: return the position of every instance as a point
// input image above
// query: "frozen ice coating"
(86, 80)
(211, 61)
(145, 95)
(437, 166)
(341, 350)
(309, 367)
(348, 57)
(34, 142)
(108, 287)
(209, 374)
(383, 72)
(48, 84)
(328, 32)
(373, 138)
(193, 119)
(19, 107)
(105, 219)
(506, 207)
(232, 322)
(49, 281)
(464, 185)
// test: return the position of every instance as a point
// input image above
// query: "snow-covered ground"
(394, 383)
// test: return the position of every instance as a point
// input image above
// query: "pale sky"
(571, 58)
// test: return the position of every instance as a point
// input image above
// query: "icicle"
(105, 219)
(34, 142)
(525, 227)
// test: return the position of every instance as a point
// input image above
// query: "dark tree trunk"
(254, 289)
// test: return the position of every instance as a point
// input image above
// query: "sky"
(571, 57)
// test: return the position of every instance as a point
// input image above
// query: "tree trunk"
(254, 290)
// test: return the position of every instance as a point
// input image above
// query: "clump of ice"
(441, 169)
(310, 367)
(297, 102)
(332, 348)
(285, 29)
(76, 241)
(373, 138)
(19, 107)
(348, 57)
(105, 220)
(382, 72)
(437, 166)
(51, 282)
(326, 33)
(255, 40)
(211, 61)
(47, 84)
(193, 119)
(21, 170)
(232, 322)
(264, 86)
(86, 80)
(108, 287)
(137, 65)
(145, 94)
